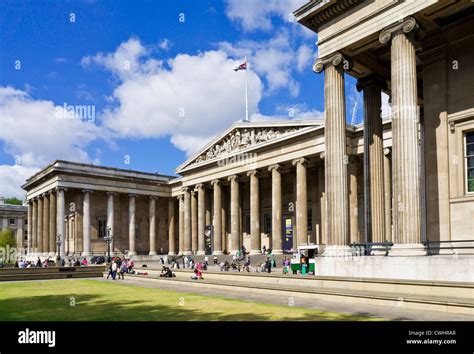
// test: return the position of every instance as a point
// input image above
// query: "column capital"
(406, 26)
(60, 188)
(322, 155)
(274, 167)
(185, 189)
(199, 186)
(111, 193)
(335, 59)
(387, 151)
(233, 178)
(215, 181)
(85, 190)
(180, 197)
(132, 195)
(253, 173)
(301, 160)
(371, 80)
(152, 197)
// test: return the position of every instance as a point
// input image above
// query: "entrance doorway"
(287, 242)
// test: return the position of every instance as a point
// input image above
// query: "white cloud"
(190, 100)
(273, 59)
(304, 58)
(12, 177)
(165, 44)
(257, 15)
(125, 61)
(34, 132)
(386, 109)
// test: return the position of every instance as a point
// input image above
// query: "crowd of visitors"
(118, 267)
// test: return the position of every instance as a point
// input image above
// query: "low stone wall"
(431, 268)
(18, 274)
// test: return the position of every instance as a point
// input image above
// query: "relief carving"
(241, 139)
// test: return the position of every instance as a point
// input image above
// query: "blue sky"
(156, 77)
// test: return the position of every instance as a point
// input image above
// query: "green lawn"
(101, 301)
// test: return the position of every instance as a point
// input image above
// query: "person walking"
(109, 274)
(114, 270)
(268, 265)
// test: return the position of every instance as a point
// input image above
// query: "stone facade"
(286, 183)
(15, 218)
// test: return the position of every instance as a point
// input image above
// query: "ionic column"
(194, 222)
(86, 223)
(255, 243)
(387, 170)
(352, 171)
(217, 219)
(45, 243)
(234, 214)
(301, 202)
(152, 217)
(110, 218)
(34, 226)
(131, 225)
(61, 213)
(187, 221)
(52, 223)
(39, 229)
(276, 210)
(201, 218)
(336, 152)
(171, 236)
(405, 142)
(373, 159)
(30, 226)
(180, 224)
(323, 204)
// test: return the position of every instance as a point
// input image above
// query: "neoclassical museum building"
(407, 179)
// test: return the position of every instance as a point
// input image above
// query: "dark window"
(247, 224)
(310, 219)
(470, 161)
(102, 228)
(12, 221)
(267, 223)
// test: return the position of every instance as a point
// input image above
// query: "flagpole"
(246, 92)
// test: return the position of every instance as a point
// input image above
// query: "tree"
(13, 201)
(7, 237)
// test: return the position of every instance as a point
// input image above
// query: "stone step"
(404, 300)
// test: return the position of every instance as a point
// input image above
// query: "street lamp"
(58, 244)
(108, 239)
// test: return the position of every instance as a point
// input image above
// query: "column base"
(171, 253)
(180, 253)
(217, 253)
(86, 254)
(131, 253)
(408, 249)
(255, 252)
(277, 251)
(337, 251)
(52, 254)
(200, 253)
(188, 253)
(152, 253)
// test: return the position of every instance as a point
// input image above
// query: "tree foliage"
(7, 237)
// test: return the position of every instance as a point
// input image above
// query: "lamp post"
(108, 239)
(58, 244)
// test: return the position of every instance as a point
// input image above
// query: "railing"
(431, 245)
(367, 248)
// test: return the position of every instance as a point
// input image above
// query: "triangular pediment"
(247, 136)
